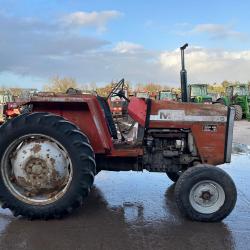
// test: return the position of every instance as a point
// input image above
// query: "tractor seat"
(108, 115)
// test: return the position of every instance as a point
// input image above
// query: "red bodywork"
(210, 144)
(86, 112)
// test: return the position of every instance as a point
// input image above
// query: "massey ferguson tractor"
(50, 156)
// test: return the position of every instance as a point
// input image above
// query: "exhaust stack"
(183, 73)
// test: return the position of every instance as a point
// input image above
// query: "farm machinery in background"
(8, 108)
(118, 105)
(12, 105)
(198, 93)
(237, 96)
(142, 94)
(167, 95)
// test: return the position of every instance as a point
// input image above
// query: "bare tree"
(60, 85)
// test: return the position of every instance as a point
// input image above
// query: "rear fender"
(84, 111)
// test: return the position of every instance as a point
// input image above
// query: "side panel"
(83, 111)
(137, 109)
(208, 124)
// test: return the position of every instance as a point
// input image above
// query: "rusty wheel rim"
(36, 169)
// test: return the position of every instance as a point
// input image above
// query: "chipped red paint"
(210, 145)
(82, 110)
(137, 109)
(86, 113)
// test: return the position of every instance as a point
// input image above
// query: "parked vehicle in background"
(142, 94)
(237, 96)
(198, 93)
(167, 95)
(6, 110)
(116, 105)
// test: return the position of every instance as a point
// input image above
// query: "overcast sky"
(103, 40)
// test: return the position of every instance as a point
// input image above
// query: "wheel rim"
(36, 169)
(207, 197)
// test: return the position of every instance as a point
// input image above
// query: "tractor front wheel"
(238, 112)
(47, 166)
(205, 193)
(173, 176)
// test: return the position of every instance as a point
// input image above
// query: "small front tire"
(205, 193)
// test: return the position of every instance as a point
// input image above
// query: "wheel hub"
(40, 166)
(37, 172)
(207, 196)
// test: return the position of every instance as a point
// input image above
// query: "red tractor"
(49, 157)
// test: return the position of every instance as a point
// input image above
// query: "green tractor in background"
(237, 96)
(198, 93)
(167, 95)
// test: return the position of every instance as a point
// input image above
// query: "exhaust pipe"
(183, 73)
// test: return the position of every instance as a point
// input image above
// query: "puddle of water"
(5, 218)
(130, 210)
(239, 148)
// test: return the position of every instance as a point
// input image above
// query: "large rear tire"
(238, 112)
(47, 166)
(205, 193)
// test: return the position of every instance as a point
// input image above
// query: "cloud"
(28, 43)
(95, 19)
(218, 31)
(127, 47)
(209, 65)
(34, 49)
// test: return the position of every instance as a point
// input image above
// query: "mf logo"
(164, 115)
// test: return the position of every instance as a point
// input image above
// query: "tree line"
(61, 85)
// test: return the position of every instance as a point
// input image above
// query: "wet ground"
(242, 132)
(131, 210)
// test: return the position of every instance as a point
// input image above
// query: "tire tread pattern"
(85, 170)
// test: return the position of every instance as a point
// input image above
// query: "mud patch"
(36, 148)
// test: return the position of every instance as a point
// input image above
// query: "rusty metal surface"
(210, 144)
(86, 113)
(39, 169)
(135, 211)
(82, 110)
(53, 97)
(40, 165)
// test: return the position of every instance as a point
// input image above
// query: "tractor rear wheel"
(238, 112)
(47, 166)
(205, 193)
